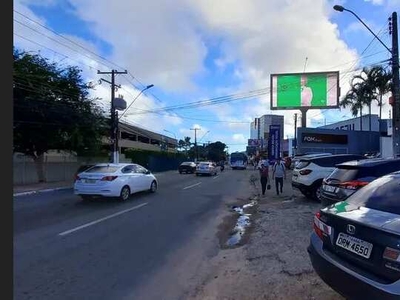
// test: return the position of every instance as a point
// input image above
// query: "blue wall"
(358, 142)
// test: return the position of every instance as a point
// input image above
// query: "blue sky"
(196, 50)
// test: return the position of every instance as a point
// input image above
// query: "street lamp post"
(395, 74)
(195, 143)
(118, 118)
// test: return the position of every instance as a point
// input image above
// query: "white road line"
(193, 185)
(216, 177)
(101, 220)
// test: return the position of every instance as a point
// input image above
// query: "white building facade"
(259, 128)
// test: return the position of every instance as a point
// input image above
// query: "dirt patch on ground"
(272, 262)
(227, 226)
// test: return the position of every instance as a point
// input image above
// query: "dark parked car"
(309, 173)
(348, 177)
(187, 167)
(355, 246)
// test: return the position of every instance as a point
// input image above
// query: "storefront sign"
(320, 138)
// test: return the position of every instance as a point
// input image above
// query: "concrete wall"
(57, 168)
(387, 147)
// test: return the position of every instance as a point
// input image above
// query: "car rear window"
(381, 194)
(102, 169)
(331, 161)
(302, 164)
(83, 168)
(343, 175)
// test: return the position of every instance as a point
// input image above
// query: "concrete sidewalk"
(34, 188)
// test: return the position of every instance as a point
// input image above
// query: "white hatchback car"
(114, 180)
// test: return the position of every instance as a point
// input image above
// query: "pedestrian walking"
(278, 174)
(264, 177)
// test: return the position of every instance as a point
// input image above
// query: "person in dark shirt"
(264, 177)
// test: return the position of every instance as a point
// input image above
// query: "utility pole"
(295, 133)
(396, 85)
(303, 117)
(195, 142)
(114, 118)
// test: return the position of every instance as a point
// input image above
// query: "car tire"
(316, 192)
(125, 193)
(153, 186)
(306, 193)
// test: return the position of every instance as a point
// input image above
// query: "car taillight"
(305, 172)
(320, 227)
(353, 185)
(108, 178)
(391, 254)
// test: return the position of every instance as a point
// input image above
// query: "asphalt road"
(146, 248)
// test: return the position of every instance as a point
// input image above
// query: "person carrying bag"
(264, 178)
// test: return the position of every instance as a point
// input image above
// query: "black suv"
(350, 176)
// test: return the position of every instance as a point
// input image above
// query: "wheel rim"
(125, 193)
(318, 193)
(153, 186)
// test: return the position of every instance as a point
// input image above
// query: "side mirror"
(148, 172)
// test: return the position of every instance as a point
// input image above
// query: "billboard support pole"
(304, 117)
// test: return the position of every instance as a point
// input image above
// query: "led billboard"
(305, 90)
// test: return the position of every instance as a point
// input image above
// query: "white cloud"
(165, 45)
(239, 137)
(158, 41)
(376, 2)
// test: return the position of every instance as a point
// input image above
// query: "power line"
(82, 47)
(65, 38)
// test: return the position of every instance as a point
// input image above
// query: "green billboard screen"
(305, 90)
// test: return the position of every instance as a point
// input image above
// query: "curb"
(41, 191)
(66, 188)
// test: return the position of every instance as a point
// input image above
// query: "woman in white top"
(306, 92)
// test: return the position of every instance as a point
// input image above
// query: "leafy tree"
(185, 144)
(216, 151)
(52, 110)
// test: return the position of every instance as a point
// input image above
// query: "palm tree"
(366, 89)
(354, 100)
(381, 81)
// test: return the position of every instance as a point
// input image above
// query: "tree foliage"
(216, 151)
(368, 86)
(52, 109)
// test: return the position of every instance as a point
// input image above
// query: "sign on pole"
(274, 142)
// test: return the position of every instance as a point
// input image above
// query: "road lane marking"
(216, 177)
(193, 185)
(101, 220)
